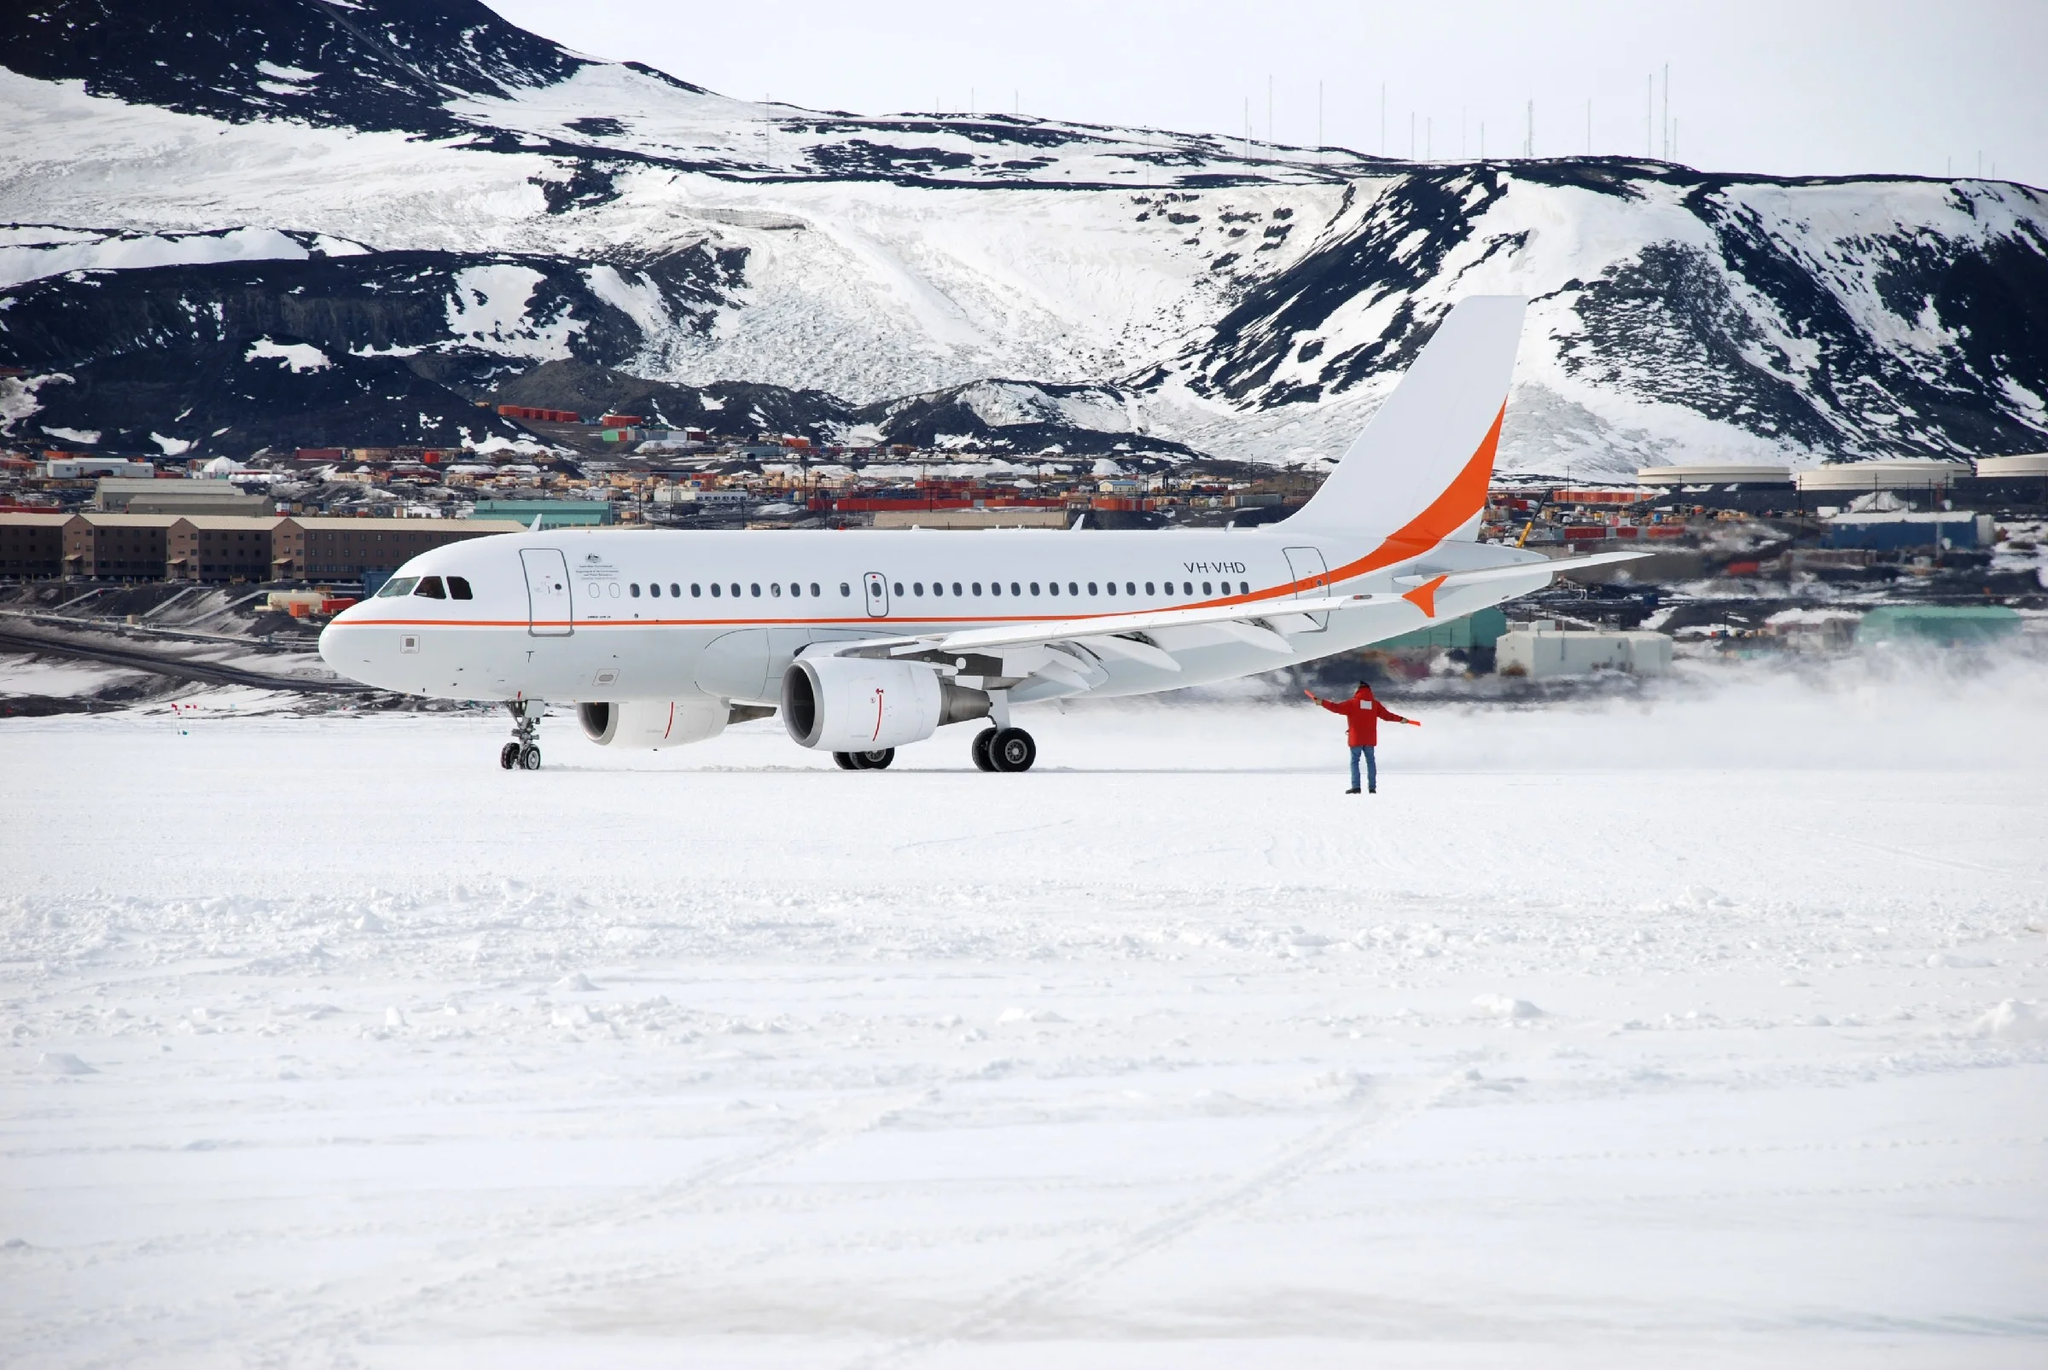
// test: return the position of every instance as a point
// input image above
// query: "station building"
(313, 548)
(32, 546)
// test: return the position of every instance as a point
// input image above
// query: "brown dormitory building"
(220, 549)
(32, 546)
(312, 548)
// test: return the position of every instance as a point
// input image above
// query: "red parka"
(1362, 715)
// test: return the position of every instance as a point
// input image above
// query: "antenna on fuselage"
(536, 523)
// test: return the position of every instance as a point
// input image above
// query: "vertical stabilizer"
(1418, 473)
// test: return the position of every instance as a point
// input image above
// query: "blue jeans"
(1372, 768)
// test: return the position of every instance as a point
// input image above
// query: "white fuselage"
(618, 615)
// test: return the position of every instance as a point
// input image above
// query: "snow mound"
(2013, 1021)
(63, 1063)
(1502, 1006)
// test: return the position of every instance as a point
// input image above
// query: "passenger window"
(1074, 589)
(917, 588)
(635, 587)
(975, 586)
(1244, 587)
(995, 587)
(1013, 588)
(796, 589)
(594, 591)
(675, 591)
(899, 587)
(458, 588)
(1187, 587)
(1148, 588)
(1129, 588)
(815, 592)
(1112, 587)
(956, 587)
(735, 589)
(1053, 586)
(714, 589)
(697, 589)
(845, 590)
(774, 588)
(431, 588)
(1205, 588)
(757, 589)
(1034, 587)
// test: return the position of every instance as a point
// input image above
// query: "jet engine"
(653, 723)
(862, 704)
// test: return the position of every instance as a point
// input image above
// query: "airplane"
(865, 642)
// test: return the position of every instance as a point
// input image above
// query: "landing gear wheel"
(521, 753)
(979, 750)
(844, 761)
(1012, 749)
(875, 761)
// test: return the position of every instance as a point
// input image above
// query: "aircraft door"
(1305, 564)
(550, 606)
(877, 594)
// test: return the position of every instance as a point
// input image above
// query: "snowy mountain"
(447, 209)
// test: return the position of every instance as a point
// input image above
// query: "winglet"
(1423, 596)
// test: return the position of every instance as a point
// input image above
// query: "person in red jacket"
(1362, 715)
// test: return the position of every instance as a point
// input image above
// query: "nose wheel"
(522, 753)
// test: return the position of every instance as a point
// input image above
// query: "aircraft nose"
(346, 648)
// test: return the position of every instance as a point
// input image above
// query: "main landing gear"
(1004, 749)
(523, 752)
(865, 761)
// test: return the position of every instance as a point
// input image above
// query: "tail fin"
(1418, 473)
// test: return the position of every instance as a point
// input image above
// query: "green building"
(552, 513)
(1961, 625)
(1481, 629)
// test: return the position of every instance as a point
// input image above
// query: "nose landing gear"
(523, 752)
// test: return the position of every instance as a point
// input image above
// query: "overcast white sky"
(1789, 86)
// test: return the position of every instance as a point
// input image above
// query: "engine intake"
(653, 723)
(862, 704)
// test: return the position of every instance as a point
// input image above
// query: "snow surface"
(1695, 1029)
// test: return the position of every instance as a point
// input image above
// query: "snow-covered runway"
(1703, 1031)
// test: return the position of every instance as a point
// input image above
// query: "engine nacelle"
(862, 704)
(653, 723)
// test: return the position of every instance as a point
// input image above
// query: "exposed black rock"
(235, 398)
(733, 409)
(370, 64)
(1034, 421)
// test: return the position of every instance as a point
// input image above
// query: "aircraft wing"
(1556, 566)
(1043, 651)
(1044, 631)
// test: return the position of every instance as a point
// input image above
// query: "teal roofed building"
(552, 513)
(1942, 625)
(1481, 629)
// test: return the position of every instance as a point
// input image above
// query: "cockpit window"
(398, 585)
(458, 588)
(430, 587)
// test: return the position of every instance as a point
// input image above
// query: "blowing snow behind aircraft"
(866, 642)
